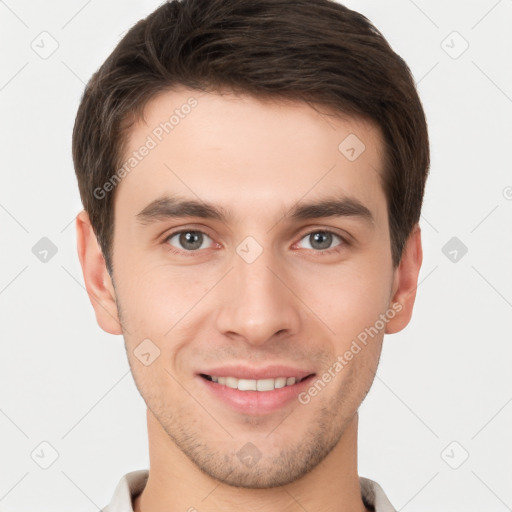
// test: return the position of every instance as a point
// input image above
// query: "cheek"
(349, 299)
(157, 299)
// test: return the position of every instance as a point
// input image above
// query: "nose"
(257, 302)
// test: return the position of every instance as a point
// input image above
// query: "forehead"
(247, 153)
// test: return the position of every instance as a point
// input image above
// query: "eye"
(188, 240)
(321, 240)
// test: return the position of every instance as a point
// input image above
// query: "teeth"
(230, 382)
(280, 382)
(242, 384)
(255, 385)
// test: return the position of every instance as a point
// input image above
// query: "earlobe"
(406, 282)
(96, 277)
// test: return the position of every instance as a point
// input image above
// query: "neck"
(176, 484)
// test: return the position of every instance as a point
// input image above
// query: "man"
(252, 174)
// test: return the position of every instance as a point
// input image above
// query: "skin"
(296, 304)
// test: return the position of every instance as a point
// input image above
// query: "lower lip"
(256, 402)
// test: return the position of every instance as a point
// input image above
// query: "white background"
(446, 378)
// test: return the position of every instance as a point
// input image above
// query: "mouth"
(252, 396)
(262, 385)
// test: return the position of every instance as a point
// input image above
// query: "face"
(252, 246)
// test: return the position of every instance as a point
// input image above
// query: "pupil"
(327, 239)
(192, 238)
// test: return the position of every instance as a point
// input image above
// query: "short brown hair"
(317, 51)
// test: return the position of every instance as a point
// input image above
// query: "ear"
(97, 279)
(406, 282)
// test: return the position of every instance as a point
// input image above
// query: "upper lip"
(268, 372)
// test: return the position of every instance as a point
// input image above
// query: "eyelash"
(336, 249)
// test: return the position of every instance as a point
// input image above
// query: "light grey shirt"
(133, 483)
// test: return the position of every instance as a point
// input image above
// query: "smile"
(253, 384)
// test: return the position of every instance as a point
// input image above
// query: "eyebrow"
(170, 207)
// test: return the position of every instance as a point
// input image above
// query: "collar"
(133, 483)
